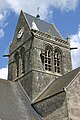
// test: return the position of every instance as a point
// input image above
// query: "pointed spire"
(68, 39)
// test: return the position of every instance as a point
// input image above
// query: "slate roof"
(58, 85)
(14, 103)
(43, 26)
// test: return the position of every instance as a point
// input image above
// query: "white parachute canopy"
(34, 26)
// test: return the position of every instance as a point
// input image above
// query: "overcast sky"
(65, 14)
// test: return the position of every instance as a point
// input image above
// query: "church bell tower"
(38, 54)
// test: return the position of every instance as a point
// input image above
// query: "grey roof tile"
(14, 104)
(43, 26)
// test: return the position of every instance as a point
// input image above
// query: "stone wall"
(28, 60)
(39, 45)
(40, 80)
(26, 35)
(41, 77)
(73, 99)
(16, 44)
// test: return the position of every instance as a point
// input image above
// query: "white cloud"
(75, 42)
(30, 6)
(4, 73)
(1, 33)
(3, 23)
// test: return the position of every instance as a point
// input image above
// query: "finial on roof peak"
(67, 37)
(38, 16)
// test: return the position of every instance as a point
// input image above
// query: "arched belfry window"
(48, 58)
(22, 52)
(57, 61)
(16, 56)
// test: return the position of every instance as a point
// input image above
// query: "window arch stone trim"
(16, 57)
(57, 60)
(48, 57)
(22, 58)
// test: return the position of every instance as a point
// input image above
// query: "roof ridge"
(42, 91)
(26, 95)
(38, 19)
(57, 30)
(43, 25)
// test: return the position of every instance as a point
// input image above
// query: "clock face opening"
(20, 33)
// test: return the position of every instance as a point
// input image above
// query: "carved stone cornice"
(49, 37)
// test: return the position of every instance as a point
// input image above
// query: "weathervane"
(38, 16)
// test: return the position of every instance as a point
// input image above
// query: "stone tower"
(38, 54)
